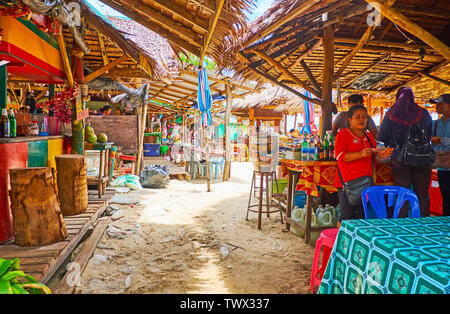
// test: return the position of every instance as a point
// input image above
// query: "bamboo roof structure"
(408, 48)
(200, 27)
(181, 90)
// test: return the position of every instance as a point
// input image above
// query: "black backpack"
(417, 150)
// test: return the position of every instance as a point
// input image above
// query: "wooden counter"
(21, 139)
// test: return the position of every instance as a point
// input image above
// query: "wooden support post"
(411, 27)
(139, 158)
(328, 77)
(227, 167)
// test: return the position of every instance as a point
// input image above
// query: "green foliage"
(10, 273)
(208, 64)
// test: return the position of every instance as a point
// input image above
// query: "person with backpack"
(441, 143)
(407, 128)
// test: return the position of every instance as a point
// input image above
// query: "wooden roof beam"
(362, 42)
(286, 72)
(164, 21)
(212, 27)
(107, 67)
(288, 17)
(154, 27)
(435, 78)
(181, 12)
(374, 65)
(411, 27)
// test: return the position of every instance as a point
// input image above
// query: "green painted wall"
(37, 154)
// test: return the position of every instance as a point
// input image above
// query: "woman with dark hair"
(354, 155)
(393, 132)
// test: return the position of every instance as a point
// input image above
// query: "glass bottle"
(12, 124)
(326, 148)
(5, 131)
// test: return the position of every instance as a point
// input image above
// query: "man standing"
(341, 121)
(441, 142)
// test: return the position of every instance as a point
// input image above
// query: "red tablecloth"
(323, 174)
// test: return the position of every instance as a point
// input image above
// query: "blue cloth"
(204, 98)
(390, 129)
(442, 131)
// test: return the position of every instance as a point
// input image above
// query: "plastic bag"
(155, 176)
(129, 181)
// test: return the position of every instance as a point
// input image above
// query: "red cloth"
(347, 142)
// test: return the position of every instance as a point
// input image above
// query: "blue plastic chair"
(375, 195)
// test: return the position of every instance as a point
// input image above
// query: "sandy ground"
(172, 242)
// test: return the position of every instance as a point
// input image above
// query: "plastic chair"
(218, 163)
(376, 196)
(326, 241)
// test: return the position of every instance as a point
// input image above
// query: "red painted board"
(12, 155)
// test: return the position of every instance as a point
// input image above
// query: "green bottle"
(12, 123)
(326, 149)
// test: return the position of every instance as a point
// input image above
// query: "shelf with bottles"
(315, 148)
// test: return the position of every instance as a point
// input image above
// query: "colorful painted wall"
(22, 155)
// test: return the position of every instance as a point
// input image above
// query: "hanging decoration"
(61, 104)
(16, 11)
(308, 115)
(204, 98)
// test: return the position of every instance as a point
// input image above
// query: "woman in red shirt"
(354, 156)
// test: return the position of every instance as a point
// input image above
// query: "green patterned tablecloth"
(382, 256)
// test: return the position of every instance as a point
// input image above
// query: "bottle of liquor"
(5, 123)
(305, 151)
(316, 149)
(12, 124)
(326, 148)
(320, 150)
(331, 141)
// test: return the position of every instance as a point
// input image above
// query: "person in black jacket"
(394, 130)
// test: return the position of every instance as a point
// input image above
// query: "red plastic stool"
(123, 158)
(325, 240)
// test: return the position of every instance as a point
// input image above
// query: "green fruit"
(89, 130)
(91, 138)
(102, 138)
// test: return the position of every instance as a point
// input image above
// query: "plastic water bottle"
(311, 149)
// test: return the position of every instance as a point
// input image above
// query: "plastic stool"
(326, 240)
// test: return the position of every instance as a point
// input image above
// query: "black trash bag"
(154, 177)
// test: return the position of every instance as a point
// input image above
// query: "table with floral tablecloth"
(383, 256)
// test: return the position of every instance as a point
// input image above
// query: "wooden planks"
(83, 257)
(43, 261)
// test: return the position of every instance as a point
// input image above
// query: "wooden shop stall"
(335, 48)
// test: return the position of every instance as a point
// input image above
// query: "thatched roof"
(150, 42)
(291, 32)
(188, 24)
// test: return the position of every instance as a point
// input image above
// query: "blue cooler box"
(300, 199)
(151, 150)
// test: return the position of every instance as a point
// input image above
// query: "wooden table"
(318, 173)
(103, 179)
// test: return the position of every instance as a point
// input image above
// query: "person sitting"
(106, 111)
(393, 132)
(341, 121)
(441, 142)
(354, 157)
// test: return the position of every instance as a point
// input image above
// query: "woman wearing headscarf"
(394, 130)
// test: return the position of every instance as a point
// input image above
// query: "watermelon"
(89, 130)
(91, 138)
(102, 138)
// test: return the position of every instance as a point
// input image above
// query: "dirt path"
(172, 243)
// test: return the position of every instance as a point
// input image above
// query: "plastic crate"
(300, 199)
(282, 184)
(152, 150)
